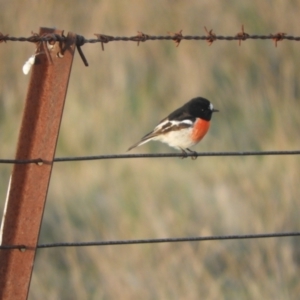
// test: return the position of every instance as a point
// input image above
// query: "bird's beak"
(215, 110)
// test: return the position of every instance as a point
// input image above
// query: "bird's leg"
(194, 152)
(184, 154)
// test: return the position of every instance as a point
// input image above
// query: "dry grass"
(120, 97)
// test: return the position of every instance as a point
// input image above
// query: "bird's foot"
(193, 157)
(184, 154)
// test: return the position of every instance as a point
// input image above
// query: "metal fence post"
(29, 182)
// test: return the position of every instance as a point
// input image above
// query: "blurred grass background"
(124, 92)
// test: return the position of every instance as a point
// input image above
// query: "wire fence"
(156, 241)
(210, 37)
(44, 43)
(161, 240)
(40, 161)
(142, 37)
(177, 37)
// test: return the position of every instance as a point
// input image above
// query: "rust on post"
(29, 183)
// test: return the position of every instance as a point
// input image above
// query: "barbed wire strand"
(177, 37)
(143, 38)
(156, 241)
(40, 161)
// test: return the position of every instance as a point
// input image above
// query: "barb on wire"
(211, 37)
(141, 37)
(157, 241)
(3, 37)
(40, 161)
(278, 37)
(242, 35)
(104, 39)
(177, 36)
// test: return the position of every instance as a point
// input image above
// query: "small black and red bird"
(184, 127)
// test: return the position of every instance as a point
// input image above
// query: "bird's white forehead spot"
(211, 107)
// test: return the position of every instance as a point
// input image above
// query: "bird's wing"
(163, 127)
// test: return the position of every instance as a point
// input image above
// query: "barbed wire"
(142, 37)
(156, 241)
(40, 161)
(177, 37)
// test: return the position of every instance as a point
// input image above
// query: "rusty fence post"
(29, 182)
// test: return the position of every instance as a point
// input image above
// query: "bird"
(184, 127)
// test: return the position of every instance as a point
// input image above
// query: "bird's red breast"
(200, 129)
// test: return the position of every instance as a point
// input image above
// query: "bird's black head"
(200, 108)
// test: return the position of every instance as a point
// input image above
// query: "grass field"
(124, 92)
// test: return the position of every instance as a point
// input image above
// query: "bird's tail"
(147, 138)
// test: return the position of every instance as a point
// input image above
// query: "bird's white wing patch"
(167, 124)
(188, 122)
(161, 125)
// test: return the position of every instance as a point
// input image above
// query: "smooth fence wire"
(155, 241)
(40, 161)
